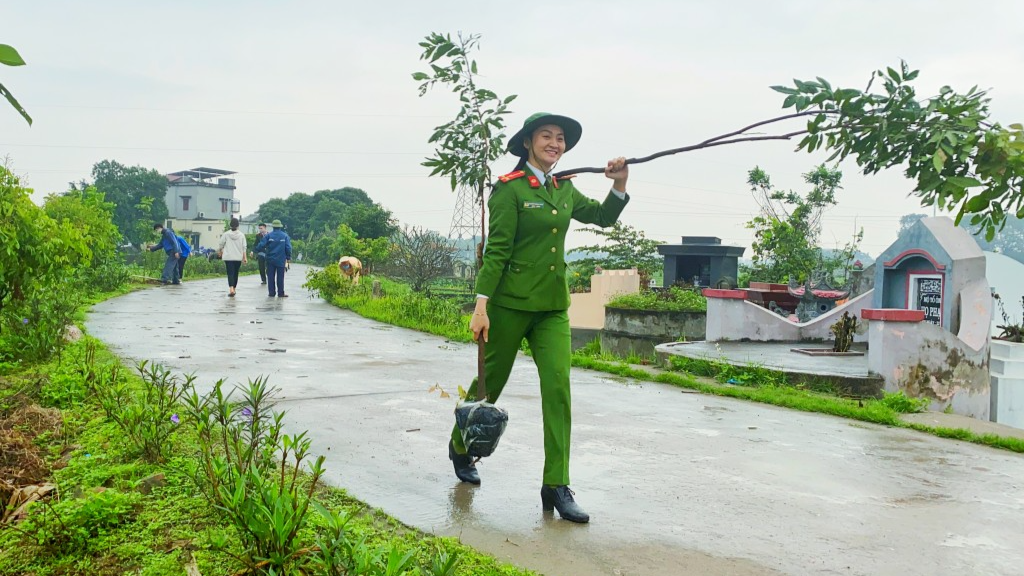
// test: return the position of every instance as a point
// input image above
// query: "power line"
(159, 149)
(257, 112)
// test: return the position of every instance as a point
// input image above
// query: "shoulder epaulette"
(512, 176)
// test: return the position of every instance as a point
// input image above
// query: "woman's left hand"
(618, 171)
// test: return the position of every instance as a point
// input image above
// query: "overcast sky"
(303, 96)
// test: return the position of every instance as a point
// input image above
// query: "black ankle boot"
(560, 498)
(464, 467)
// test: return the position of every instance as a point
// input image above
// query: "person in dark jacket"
(261, 257)
(169, 243)
(186, 250)
(278, 248)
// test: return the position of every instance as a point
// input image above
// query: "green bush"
(674, 299)
(73, 523)
(904, 404)
(148, 416)
(32, 329)
(251, 471)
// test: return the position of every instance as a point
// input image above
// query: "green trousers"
(550, 343)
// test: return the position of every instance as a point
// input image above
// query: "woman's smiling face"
(547, 146)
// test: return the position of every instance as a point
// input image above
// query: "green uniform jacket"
(524, 261)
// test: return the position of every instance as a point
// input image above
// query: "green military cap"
(277, 224)
(572, 129)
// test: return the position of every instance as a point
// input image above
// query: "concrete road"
(676, 483)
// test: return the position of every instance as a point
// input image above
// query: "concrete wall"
(639, 331)
(203, 199)
(586, 310)
(925, 361)
(735, 319)
(209, 231)
(1007, 406)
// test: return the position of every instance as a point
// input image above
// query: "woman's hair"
(234, 223)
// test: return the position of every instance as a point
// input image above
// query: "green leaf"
(784, 89)
(894, 75)
(964, 182)
(939, 159)
(10, 56)
(976, 204)
(420, 76)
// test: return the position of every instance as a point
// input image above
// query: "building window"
(209, 228)
(223, 205)
(184, 202)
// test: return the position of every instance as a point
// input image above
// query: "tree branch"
(716, 141)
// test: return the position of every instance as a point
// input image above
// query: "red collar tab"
(534, 182)
(512, 176)
(554, 181)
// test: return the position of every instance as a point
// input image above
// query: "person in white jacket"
(232, 252)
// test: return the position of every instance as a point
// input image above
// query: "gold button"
(552, 268)
(554, 230)
(553, 249)
(554, 211)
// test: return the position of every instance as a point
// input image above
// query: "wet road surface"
(675, 482)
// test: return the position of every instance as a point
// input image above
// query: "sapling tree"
(466, 146)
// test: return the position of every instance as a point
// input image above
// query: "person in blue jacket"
(169, 243)
(278, 247)
(186, 250)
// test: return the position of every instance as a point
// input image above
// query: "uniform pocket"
(519, 280)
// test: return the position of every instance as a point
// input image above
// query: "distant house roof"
(201, 173)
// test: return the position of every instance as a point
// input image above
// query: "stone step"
(1008, 368)
(1008, 401)
(1007, 350)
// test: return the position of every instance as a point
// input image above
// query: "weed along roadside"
(397, 304)
(132, 469)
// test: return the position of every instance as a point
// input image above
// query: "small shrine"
(701, 261)
(816, 299)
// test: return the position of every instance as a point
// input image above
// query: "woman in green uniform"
(523, 293)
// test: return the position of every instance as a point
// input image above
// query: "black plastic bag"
(481, 425)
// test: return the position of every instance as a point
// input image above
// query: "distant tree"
(326, 217)
(310, 215)
(370, 220)
(787, 230)
(91, 218)
(127, 188)
(10, 57)
(624, 247)
(908, 220)
(420, 256)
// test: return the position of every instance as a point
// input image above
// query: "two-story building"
(200, 203)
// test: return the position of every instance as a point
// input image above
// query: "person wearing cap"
(351, 267)
(522, 290)
(278, 247)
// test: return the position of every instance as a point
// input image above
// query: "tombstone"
(701, 260)
(929, 325)
(926, 268)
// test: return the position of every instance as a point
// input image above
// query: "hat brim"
(573, 131)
